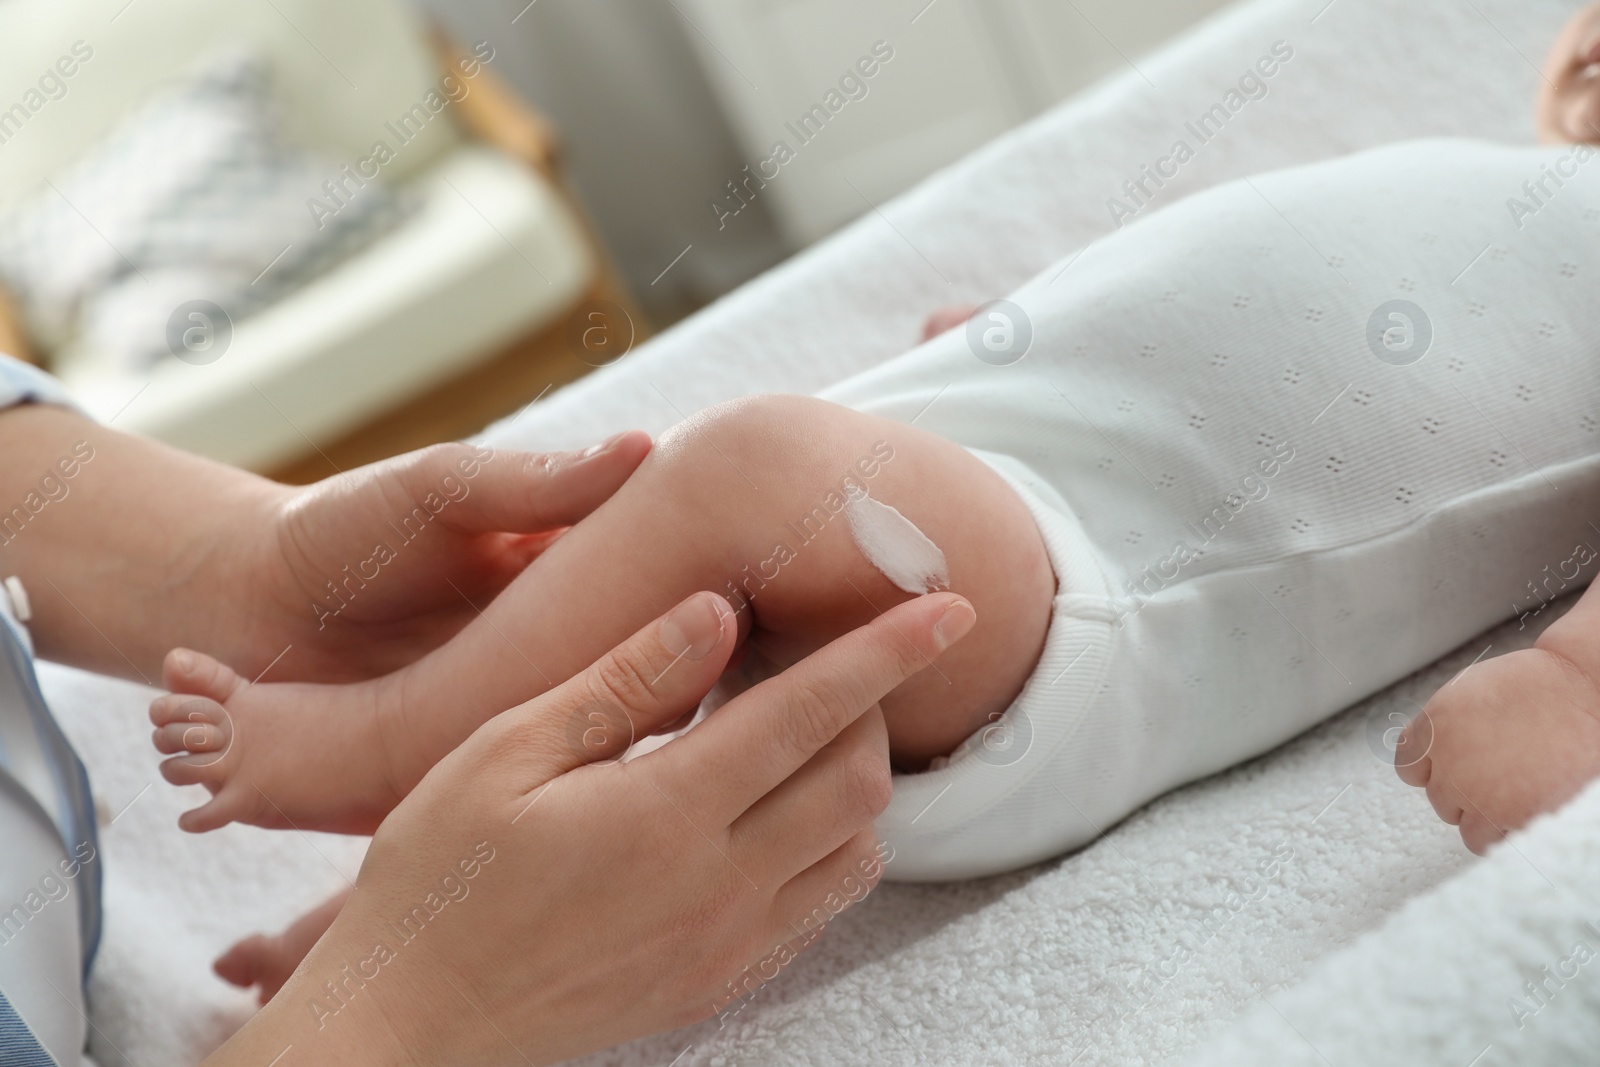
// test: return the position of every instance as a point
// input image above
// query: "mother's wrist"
(328, 1013)
(362, 1040)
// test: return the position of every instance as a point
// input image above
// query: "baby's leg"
(744, 500)
(736, 500)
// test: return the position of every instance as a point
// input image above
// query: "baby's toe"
(186, 708)
(189, 769)
(1478, 835)
(242, 965)
(1411, 753)
(187, 671)
(164, 709)
(225, 807)
(259, 961)
(1446, 802)
(189, 737)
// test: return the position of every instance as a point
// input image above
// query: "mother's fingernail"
(604, 446)
(694, 627)
(954, 624)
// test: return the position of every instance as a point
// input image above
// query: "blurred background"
(299, 236)
(662, 102)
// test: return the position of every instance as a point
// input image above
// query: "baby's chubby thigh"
(777, 474)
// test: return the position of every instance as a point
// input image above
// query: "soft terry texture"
(1496, 967)
(1064, 960)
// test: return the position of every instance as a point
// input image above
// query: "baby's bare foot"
(1507, 740)
(265, 961)
(276, 755)
(261, 961)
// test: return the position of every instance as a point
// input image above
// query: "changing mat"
(1201, 908)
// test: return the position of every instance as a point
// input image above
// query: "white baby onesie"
(1287, 441)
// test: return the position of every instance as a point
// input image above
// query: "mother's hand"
(365, 571)
(528, 902)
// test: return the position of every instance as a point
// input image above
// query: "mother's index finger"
(751, 745)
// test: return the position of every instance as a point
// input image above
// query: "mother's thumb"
(529, 492)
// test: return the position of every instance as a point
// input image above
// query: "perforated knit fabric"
(1287, 441)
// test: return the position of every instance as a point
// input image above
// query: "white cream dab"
(893, 544)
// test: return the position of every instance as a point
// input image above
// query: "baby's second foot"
(262, 962)
(1509, 739)
(266, 961)
(277, 755)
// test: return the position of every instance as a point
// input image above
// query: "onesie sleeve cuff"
(924, 821)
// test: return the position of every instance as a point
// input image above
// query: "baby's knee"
(769, 430)
(775, 447)
(774, 474)
(769, 479)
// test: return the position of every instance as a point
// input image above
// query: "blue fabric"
(69, 806)
(18, 1046)
(21, 383)
(70, 810)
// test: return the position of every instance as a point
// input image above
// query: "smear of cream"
(893, 544)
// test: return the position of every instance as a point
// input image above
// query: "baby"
(1230, 470)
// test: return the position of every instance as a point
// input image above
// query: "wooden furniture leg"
(13, 341)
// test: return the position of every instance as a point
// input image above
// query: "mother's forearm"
(303, 1020)
(126, 547)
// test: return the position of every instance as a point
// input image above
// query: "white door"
(841, 104)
